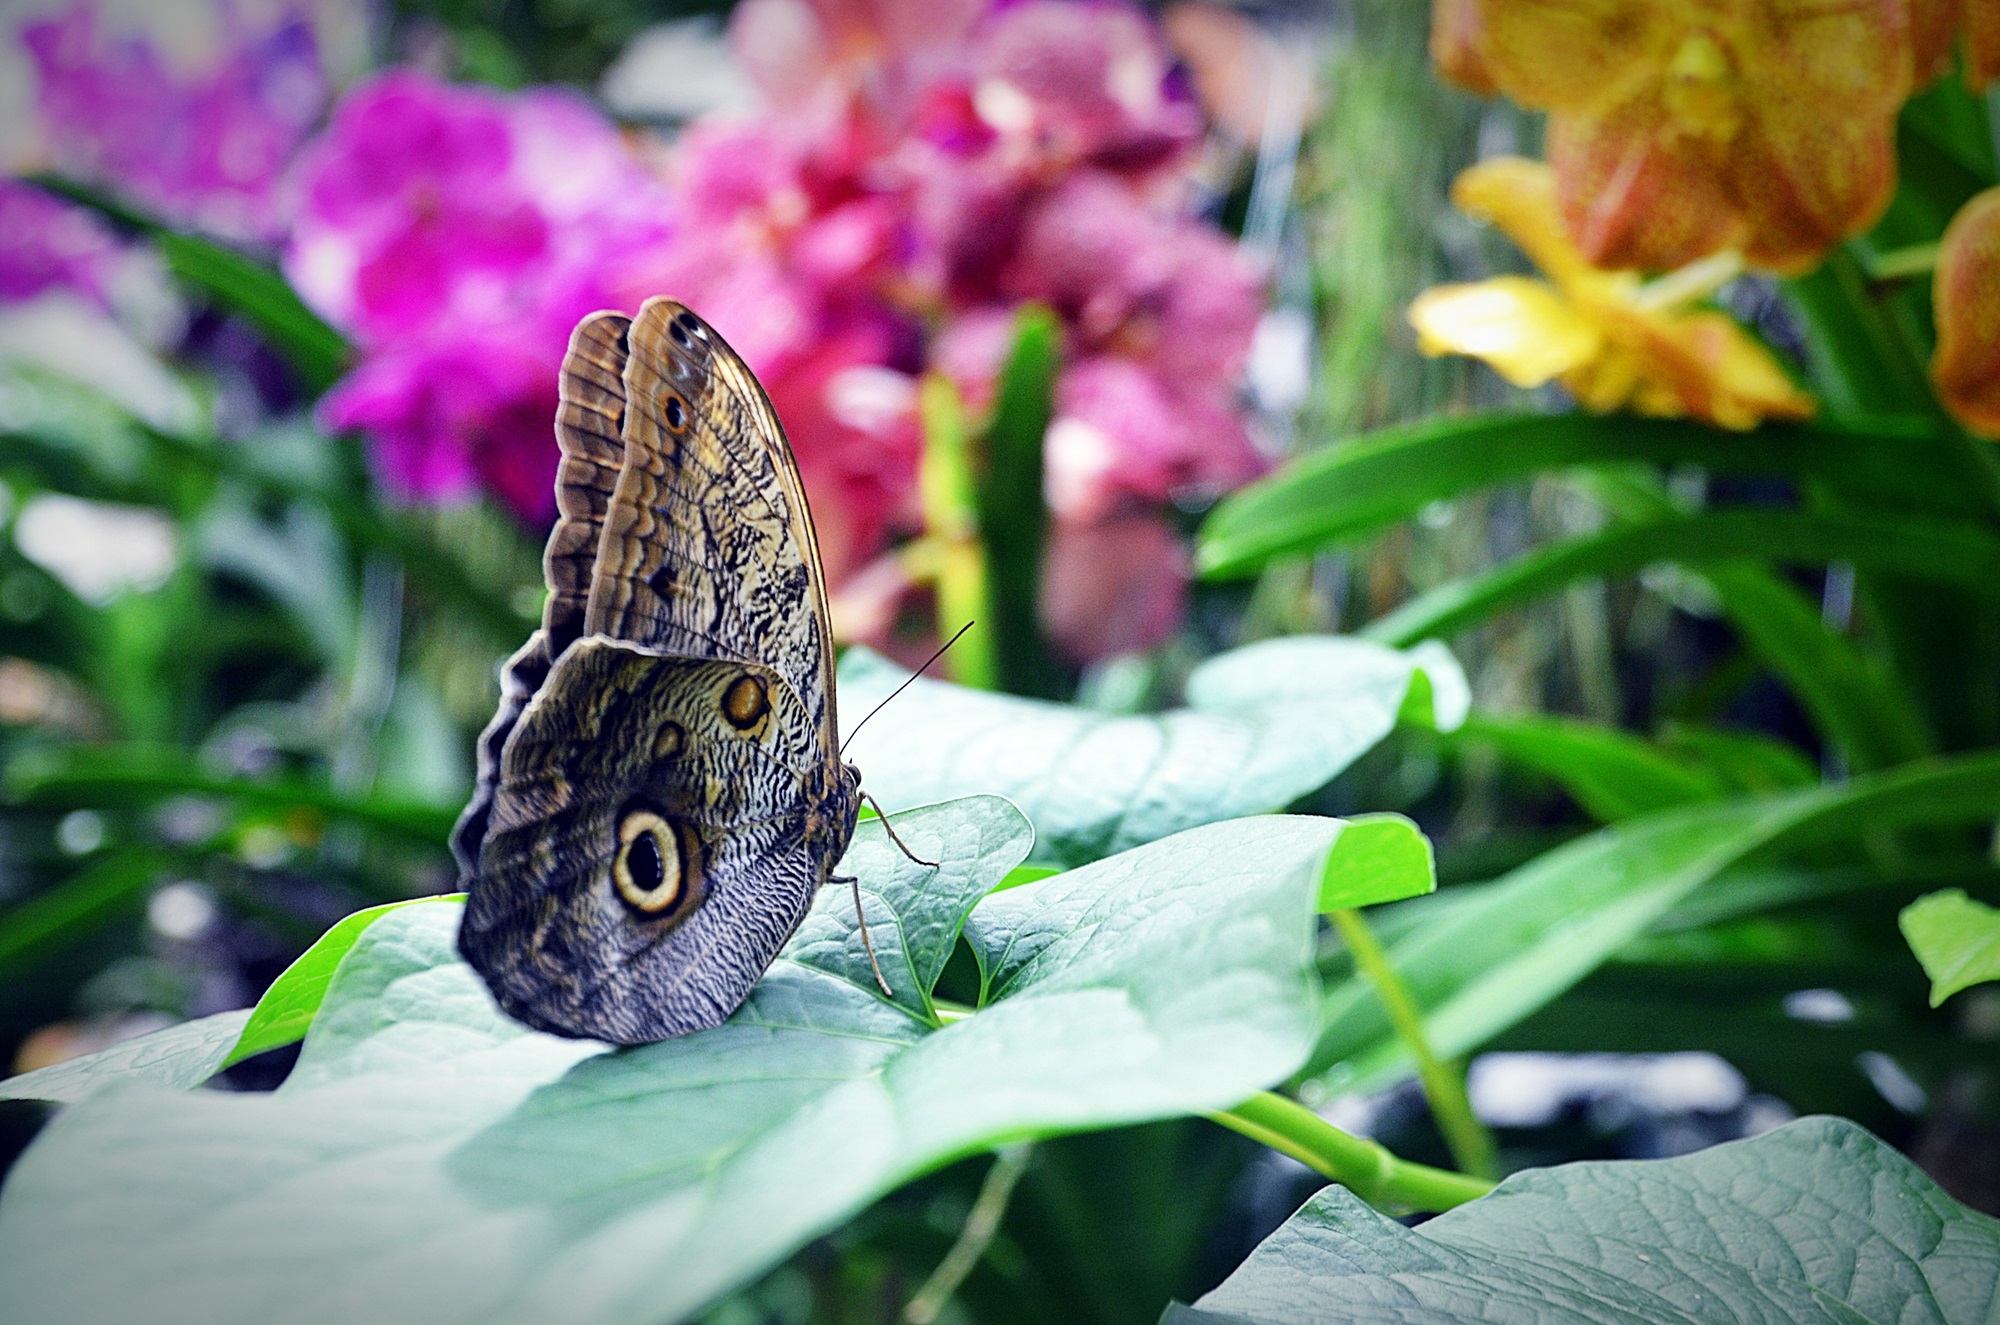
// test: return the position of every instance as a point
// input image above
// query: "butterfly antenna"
(906, 683)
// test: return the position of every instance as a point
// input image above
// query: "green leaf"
(1956, 938)
(1497, 952)
(1743, 760)
(241, 284)
(96, 896)
(1338, 494)
(1952, 553)
(1611, 774)
(430, 1160)
(285, 1012)
(1377, 858)
(105, 775)
(178, 1058)
(1265, 725)
(1816, 1223)
(1012, 510)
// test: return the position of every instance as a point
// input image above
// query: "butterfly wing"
(708, 548)
(651, 847)
(659, 794)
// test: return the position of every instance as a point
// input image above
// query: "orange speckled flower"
(1681, 129)
(1936, 24)
(1614, 341)
(1965, 295)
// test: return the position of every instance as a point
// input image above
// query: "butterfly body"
(660, 792)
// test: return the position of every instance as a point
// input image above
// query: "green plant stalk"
(981, 1224)
(1012, 514)
(951, 523)
(1368, 1170)
(1444, 1083)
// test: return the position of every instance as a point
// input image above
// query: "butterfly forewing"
(660, 793)
(590, 424)
(708, 546)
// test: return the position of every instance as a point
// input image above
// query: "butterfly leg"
(867, 944)
(883, 815)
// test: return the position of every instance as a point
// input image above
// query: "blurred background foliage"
(260, 564)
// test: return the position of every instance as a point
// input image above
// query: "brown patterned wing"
(590, 423)
(658, 828)
(708, 547)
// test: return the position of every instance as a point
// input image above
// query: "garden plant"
(1480, 525)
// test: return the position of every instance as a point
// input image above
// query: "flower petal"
(1965, 295)
(1521, 327)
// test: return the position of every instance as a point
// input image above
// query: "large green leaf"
(1497, 952)
(289, 1006)
(1264, 725)
(1338, 494)
(1817, 1223)
(1956, 938)
(179, 1057)
(430, 1160)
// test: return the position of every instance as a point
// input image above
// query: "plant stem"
(1902, 263)
(981, 1223)
(1363, 1167)
(1444, 1084)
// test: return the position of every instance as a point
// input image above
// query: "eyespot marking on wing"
(657, 871)
(668, 741)
(745, 702)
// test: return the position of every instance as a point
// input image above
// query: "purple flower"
(208, 150)
(46, 243)
(458, 234)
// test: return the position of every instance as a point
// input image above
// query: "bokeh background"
(283, 289)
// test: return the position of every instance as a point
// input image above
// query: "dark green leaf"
(241, 284)
(1955, 553)
(1817, 1223)
(97, 895)
(1340, 493)
(1611, 774)
(104, 775)
(1011, 506)
(1499, 951)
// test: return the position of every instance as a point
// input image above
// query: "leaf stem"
(1365, 1168)
(1444, 1083)
(981, 1223)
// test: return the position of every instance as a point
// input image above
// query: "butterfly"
(660, 793)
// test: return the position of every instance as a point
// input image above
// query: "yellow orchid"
(1965, 297)
(1679, 130)
(1614, 341)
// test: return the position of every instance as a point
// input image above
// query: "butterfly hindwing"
(651, 844)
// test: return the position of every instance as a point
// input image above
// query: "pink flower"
(459, 234)
(46, 243)
(1080, 83)
(209, 150)
(1114, 585)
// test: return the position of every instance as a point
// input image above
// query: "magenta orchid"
(208, 149)
(457, 235)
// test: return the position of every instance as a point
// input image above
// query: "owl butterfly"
(661, 792)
